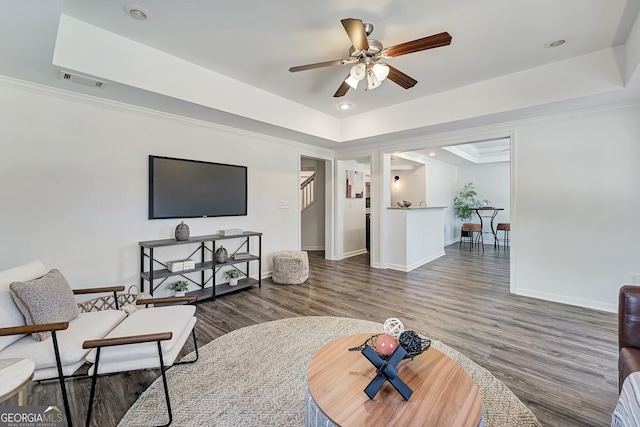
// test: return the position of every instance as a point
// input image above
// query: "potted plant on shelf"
(233, 276)
(179, 288)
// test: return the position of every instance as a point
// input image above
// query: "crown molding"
(49, 91)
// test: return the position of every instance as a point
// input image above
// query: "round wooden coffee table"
(443, 393)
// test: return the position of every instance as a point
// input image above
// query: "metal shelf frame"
(206, 250)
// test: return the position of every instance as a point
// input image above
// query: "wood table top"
(443, 393)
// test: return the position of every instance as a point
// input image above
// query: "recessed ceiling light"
(344, 106)
(555, 43)
(432, 154)
(137, 12)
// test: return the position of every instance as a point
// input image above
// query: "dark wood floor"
(560, 360)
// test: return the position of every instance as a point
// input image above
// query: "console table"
(205, 249)
(443, 393)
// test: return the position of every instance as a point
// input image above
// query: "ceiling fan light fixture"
(352, 82)
(372, 80)
(365, 53)
(381, 71)
(358, 71)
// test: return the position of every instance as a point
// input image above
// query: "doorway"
(312, 204)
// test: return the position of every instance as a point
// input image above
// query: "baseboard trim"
(354, 253)
(415, 264)
(563, 299)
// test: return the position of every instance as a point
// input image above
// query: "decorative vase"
(233, 281)
(182, 231)
(180, 293)
(221, 255)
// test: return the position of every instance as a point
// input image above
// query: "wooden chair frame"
(468, 228)
(506, 237)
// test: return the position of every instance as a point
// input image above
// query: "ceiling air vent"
(65, 75)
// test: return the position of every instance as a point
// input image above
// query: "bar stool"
(467, 231)
(505, 227)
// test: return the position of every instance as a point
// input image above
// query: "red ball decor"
(386, 344)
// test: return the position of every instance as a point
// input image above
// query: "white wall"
(576, 205)
(411, 186)
(441, 180)
(74, 183)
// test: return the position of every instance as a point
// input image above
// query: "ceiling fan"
(366, 54)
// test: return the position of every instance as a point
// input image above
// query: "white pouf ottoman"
(290, 267)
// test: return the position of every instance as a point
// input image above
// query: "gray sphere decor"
(221, 255)
(182, 231)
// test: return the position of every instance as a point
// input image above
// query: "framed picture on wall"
(355, 185)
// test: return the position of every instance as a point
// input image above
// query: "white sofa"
(130, 342)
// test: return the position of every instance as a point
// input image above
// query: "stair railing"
(307, 191)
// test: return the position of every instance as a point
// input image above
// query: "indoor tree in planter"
(465, 202)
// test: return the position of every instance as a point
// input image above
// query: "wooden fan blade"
(316, 65)
(437, 40)
(357, 34)
(343, 89)
(401, 78)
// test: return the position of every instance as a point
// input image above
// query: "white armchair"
(30, 301)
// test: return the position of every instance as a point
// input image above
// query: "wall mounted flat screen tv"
(180, 188)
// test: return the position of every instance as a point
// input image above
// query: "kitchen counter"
(416, 236)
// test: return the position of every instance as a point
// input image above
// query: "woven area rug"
(255, 376)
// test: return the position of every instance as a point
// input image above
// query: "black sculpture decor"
(387, 371)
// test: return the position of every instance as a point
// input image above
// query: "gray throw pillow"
(48, 299)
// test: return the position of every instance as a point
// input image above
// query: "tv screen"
(180, 188)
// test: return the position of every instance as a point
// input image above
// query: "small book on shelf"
(181, 265)
(241, 255)
(174, 266)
